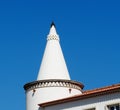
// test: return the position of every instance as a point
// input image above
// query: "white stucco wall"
(46, 94)
(99, 102)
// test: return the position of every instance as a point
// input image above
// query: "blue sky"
(90, 38)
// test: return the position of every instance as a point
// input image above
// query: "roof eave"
(85, 95)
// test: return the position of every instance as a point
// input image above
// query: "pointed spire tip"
(52, 24)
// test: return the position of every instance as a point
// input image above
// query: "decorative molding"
(53, 83)
(53, 37)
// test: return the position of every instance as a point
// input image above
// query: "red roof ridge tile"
(102, 88)
(85, 94)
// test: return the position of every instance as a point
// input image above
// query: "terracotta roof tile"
(86, 94)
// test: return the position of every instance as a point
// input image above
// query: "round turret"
(53, 80)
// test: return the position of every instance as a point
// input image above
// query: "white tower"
(53, 80)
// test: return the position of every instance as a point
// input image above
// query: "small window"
(113, 107)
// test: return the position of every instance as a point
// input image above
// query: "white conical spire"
(53, 77)
(53, 65)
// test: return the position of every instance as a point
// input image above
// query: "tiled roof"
(86, 94)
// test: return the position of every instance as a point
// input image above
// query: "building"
(54, 90)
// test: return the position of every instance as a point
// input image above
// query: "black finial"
(52, 24)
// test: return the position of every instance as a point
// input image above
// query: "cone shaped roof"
(53, 65)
